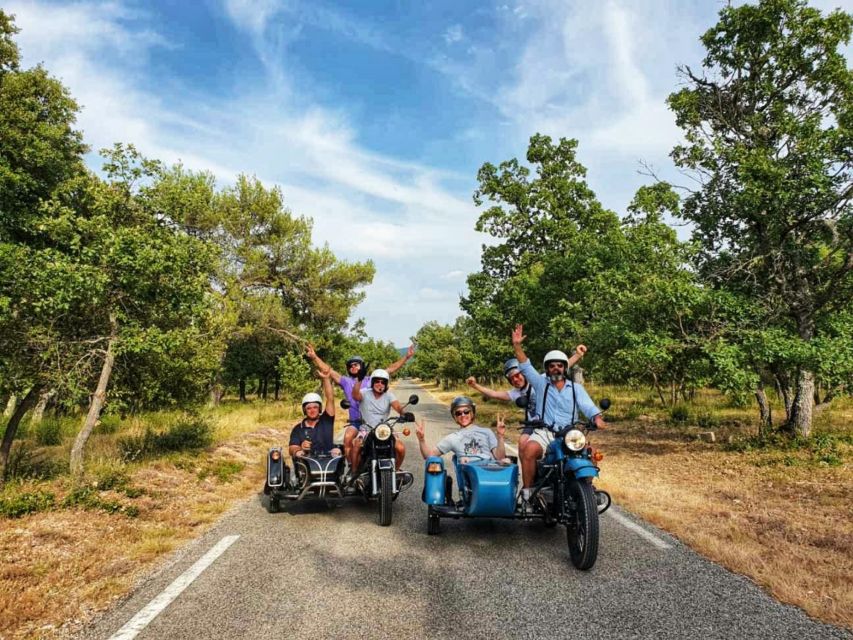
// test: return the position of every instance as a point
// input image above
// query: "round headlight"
(382, 432)
(575, 440)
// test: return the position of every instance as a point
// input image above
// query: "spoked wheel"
(582, 528)
(272, 503)
(433, 522)
(386, 497)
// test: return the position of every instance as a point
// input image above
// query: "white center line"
(138, 622)
(633, 526)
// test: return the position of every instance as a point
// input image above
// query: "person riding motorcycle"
(555, 395)
(315, 433)
(356, 376)
(376, 403)
(471, 441)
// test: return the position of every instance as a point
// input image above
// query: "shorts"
(542, 437)
(360, 427)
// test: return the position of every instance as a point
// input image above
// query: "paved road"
(328, 573)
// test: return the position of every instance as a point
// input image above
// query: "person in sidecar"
(555, 395)
(472, 442)
(315, 434)
(356, 377)
(375, 407)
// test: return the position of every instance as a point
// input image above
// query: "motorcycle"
(321, 475)
(563, 486)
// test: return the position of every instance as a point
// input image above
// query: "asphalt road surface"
(331, 572)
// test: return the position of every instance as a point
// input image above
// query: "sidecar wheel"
(386, 497)
(272, 504)
(582, 529)
(433, 522)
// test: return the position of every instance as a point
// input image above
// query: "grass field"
(776, 512)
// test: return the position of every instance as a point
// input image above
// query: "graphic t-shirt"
(470, 441)
(530, 410)
(375, 410)
(347, 383)
(321, 435)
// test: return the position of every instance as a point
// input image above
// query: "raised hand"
(581, 350)
(518, 334)
(324, 373)
(471, 381)
(420, 429)
(500, 426)
(410, 351)
(309, 350)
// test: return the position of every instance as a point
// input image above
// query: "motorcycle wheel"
(582, 528)
(386, 497)
(433, 522)
(272, 504)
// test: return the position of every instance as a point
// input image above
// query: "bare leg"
(530, 454)
(399, 453)
(522, 442)
(349, 436)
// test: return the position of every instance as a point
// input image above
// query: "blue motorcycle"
(562, 492)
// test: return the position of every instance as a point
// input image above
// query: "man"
(471, 441)
(375, 407)
(315, 434)
(356, 377)
(555, 398)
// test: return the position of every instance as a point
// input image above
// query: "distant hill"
(402, 351)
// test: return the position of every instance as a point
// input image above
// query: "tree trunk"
(215, 394)
(96, 404)
(12, 428)
(802, 412)
(242, 384)
(764, 410)
(11, 403)
(38, 412)
(277, 386)
(264, 388)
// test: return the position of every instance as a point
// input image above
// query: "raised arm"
(356, 391)
(489, 393)
(426, 449)
(395, 366)
(580, 352)
(517, 338)
(328, 391)
(318, 362)
(500, 431)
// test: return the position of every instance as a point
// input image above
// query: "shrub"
(87, 497)
(190, 432)
(48, 432)
(707, 420)
(15, 505)
(679, 413)
(108, 424)
(27, 463)
(222, 470)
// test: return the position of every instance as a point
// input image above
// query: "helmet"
(381, 374)
(510, 366)
(355, 359)
(462, 401)
(308, 398)
(556, 356)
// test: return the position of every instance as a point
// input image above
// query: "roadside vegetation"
(772, 509)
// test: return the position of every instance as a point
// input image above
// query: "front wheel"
(582, 527)
(386, 496)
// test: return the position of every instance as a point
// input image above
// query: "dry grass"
(59, 568)
(780, 518)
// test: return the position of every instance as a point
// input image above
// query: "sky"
(374, 117)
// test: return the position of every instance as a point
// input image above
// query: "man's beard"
(556, 377)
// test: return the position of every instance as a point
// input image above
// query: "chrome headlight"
(574, 440)
(382, 432)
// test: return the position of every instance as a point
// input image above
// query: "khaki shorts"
(542, 437)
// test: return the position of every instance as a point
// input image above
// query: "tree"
(768, 125)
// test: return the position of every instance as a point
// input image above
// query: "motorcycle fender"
(386, 463)
(582, 468)
(434, 482)
(275, 469)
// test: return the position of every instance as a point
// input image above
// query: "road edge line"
(633, 526)
(141, 620)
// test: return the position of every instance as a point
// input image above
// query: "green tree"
(768, 125)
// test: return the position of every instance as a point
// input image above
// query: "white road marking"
(138, 622)
(650, 537)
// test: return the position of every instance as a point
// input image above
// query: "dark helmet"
(462, 401)
(355, 359)
(510, 365)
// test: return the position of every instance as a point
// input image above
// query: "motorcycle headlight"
(575, 440)
(382, 432)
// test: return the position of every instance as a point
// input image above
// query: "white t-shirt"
(470, 441)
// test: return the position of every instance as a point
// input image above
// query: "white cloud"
(453, 34)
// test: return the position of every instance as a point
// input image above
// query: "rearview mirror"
(604, 404)
(521, 402)
(345, 404)
(413, 399)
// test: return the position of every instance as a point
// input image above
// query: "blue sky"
(374, 117)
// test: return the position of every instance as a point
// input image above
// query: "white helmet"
(381, 374)
(308, 398)
(555, 356)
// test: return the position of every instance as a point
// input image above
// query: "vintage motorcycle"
(322, 475)
(563, 487)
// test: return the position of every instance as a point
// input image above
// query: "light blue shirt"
(559, 411)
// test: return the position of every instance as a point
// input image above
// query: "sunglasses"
(380, 381)
(462, 412)
(552, 365)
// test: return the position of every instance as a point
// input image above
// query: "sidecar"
(317, 476)
(487, 489)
